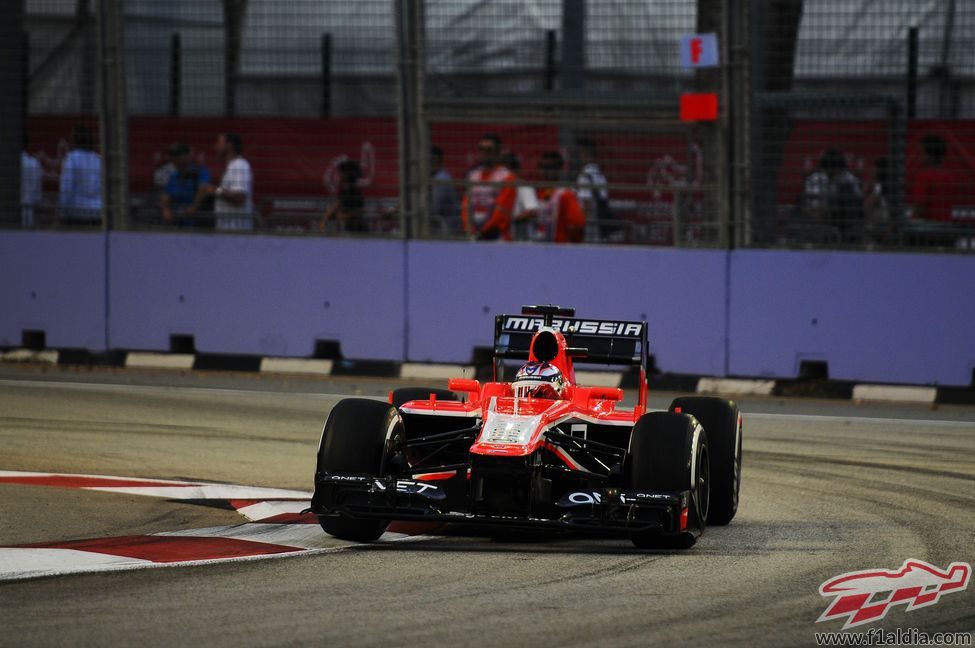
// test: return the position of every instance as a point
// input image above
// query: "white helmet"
(539, 380)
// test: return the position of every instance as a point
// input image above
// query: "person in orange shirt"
(560, 216)
(486, 208)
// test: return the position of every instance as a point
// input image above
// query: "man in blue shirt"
(80, 192)
(444, 205)
(181, 189)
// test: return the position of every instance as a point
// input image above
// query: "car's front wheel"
(359, 437)
(669, 452)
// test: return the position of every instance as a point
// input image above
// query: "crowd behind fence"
(835, 124)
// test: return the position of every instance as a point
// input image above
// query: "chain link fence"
(581, 104)
(863, 124)
(821, 123)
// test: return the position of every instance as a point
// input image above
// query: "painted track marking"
(276, 528)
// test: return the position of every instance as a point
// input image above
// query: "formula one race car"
(538, 452)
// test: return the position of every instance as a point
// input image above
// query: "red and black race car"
(538, 451)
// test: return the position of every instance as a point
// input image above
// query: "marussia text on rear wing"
(613, 342)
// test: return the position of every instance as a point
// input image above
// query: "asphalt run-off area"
(164, 508)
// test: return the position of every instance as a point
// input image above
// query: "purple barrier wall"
(900, 318)
(257, 294)
(873, 317)
(53, 282)
(455, 290)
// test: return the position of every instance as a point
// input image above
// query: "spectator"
(181, 199)
(444, 206)
(526, 201)
(80, 195)
(234, 197)
(560, 216)
(592, 188)
(31, 178)
(875, 204)
(348, 210)
(160, 177)
(934, 187)
(875, 196)
(832, 196)
(486, 208)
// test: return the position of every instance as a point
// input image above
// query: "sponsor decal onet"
(581, 327)
(410, 487)
(866, 596)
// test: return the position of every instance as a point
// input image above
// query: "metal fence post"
(737, 73)
(112, 115)
(12, 84)
(711, 136)
(326, 52)
(175, 73)
(411, 122)
(233, 28)
(421, 152)
(572, 73)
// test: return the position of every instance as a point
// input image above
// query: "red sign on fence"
(699, 107)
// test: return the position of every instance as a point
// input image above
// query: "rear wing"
(610, 342)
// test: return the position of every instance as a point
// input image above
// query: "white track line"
(21, 563)
(82, 386)
(823, 418)
(24, 473)
(265, 510)
(207, 492)
(302, 536)
(180, 490)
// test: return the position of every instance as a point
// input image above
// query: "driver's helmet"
(539, 380)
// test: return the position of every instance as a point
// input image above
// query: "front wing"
(611, 510)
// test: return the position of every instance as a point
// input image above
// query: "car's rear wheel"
(722, 421)
(669, 452)
(358, 437)
(407, 394)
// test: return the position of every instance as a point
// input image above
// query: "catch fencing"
(715, 123)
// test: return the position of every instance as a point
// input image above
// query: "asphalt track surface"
(829, 487)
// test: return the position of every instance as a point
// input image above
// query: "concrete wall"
(257, 294)
(880, 317)
(53, 282)
(456, 289)
(872, 316)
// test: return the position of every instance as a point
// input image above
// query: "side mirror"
(467, 385)
(606, 393)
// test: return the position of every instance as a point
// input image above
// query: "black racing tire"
(669, 452)
(357, 438)
(722, 421)
(407, 394)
